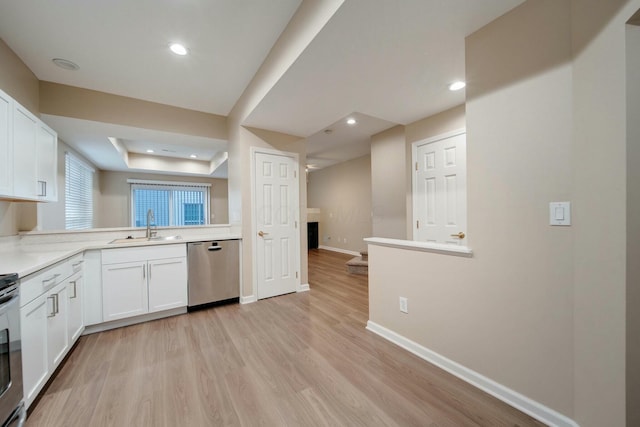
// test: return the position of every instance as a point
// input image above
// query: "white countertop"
(27, 254)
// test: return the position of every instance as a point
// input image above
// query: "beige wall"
(600, 179)
(506, 313)
(115, 194)
(17, 80)
(343, 194)
(633, 225)
(20, 83)
(69, 101)
(551, 312)
(388, 184)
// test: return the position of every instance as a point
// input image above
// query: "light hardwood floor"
(301, 360)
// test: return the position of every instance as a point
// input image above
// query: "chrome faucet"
(150, 219)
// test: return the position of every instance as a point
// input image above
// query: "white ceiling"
(386, 61)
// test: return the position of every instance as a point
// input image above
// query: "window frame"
(72, 160)
(171, 186)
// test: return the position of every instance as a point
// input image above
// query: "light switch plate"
(560, 213)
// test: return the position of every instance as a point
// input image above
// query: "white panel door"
(440, 192)
(276, 204)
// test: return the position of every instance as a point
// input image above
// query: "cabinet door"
(47, 163)
(6, 145)
(57, 335)
(167, 284)
(33, 326)
(124, 290)
(25, 129)
(75, 295)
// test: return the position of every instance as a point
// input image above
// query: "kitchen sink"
(145, 239)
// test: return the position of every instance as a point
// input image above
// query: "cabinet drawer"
(143, 253)
(34, 285)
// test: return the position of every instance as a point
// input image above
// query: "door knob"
(460, 235)
(262, 233)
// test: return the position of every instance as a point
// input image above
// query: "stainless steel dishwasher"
(213, 273)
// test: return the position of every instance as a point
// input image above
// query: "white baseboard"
(304, 287)
(511, 397)
(342, 251)
(248, 300)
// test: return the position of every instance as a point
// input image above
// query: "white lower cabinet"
(35, 359)
(143, 280)
(167, 284)
(48, 316)
(124, 290)
(75, 295)
(57, 331)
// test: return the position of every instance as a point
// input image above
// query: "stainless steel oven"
(12, 412)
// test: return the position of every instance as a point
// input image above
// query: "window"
(78, 186)
(173, 203)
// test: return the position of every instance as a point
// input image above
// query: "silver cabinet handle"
(144, 272)
(53, 306)
(75, 290)
(76, 264)
(43, 188)
(57, 304)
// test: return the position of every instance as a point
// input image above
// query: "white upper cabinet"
(47, 163)
(6, 145)
(25, 131)
(28, 154)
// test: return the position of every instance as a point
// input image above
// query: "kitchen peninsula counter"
(30, 252)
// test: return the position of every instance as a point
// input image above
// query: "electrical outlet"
(345, 240)
(404, 305)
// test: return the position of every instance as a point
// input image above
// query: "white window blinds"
(78, 205)
(173, 203)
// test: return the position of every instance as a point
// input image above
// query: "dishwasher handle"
(214, 248)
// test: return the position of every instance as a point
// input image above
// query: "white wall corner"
(511, 397)
(248, 300)
(303, 287)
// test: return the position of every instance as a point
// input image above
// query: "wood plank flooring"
(297, 360)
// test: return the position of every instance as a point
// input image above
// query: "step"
(358, 266)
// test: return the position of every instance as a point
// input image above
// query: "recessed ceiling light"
(149, 151)
(351, 121)
(65, 64)
(457, 85)
(193, 156)
(178, 49)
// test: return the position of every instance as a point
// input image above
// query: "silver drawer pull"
(76, 264)
(50, 279)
